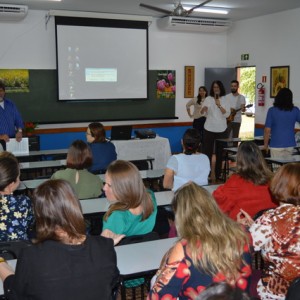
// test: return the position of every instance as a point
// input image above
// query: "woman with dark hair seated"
(103, 151)
(248, 188)
(277, 234)
(191, 165)
(223, 291)
(16, 215)
(64, 263)
(85, 184)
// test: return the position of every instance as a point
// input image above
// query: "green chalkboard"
(41, 105)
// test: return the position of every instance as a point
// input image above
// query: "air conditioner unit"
(10, 12)
(193, 24)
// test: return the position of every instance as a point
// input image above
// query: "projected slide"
(101, 75)
(101, 63)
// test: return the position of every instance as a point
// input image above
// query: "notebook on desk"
(122, 132)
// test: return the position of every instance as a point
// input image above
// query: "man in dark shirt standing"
(11, 123)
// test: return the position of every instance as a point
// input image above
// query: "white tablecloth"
(158, 148)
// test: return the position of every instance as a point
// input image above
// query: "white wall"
(31, 44)
(272, 40)
(28, 44)
(174, 50)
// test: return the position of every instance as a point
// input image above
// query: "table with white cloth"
(158, 148)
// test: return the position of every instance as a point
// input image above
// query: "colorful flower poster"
(166, 84)
(15, 80)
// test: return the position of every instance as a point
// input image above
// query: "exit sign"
(245, 56)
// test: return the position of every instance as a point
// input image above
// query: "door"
(223, 74)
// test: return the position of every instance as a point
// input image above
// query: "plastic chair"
(11, 249)
(137, 286)
(3, 144)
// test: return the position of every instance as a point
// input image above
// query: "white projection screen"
(101, 59)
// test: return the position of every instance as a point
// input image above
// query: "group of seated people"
(216, 233)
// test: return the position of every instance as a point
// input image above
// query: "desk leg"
(225, 167)
(151, 164)
(219, 158)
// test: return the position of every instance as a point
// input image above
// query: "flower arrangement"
(29, 127)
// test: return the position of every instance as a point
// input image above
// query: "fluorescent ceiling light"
(209, 10)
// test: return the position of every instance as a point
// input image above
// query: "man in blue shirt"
(11, 123)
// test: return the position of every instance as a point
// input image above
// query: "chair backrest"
(260, 213)
(151, 236)
(11, 249)
(294, 290)
(3, 144)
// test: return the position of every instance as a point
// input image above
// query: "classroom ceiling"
(238, 9)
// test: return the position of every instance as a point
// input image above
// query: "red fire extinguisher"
(261, 94)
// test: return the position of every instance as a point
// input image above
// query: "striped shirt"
(10, 119)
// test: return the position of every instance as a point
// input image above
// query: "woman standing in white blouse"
(217, 110)
(199, 118)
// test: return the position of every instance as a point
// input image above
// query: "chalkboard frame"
(41, 104)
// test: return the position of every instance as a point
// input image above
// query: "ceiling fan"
(178, 11)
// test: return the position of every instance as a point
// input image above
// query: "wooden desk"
(158, 148)
(279, 161)
(283, 161)
(45, 168)
(42, 154)
(219, 147)
(34, 183)
(211, 188)
(34, 165)
(100, 205)
(142, 257)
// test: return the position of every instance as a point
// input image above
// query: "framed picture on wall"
(189, 81)
(280, 78)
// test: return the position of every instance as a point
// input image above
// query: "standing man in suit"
(237, 105)
(11, 123)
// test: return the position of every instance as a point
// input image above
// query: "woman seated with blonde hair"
(211, 248)
(79, 159)
(133, 208)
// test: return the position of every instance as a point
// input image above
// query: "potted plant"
(29, 128)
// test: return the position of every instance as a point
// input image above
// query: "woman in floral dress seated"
(16, 214)
(211, 248)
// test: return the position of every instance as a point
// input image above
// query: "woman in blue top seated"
(133, 208)
(103, 151)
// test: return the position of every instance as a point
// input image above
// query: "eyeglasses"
(109, 185)
(87, 133)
